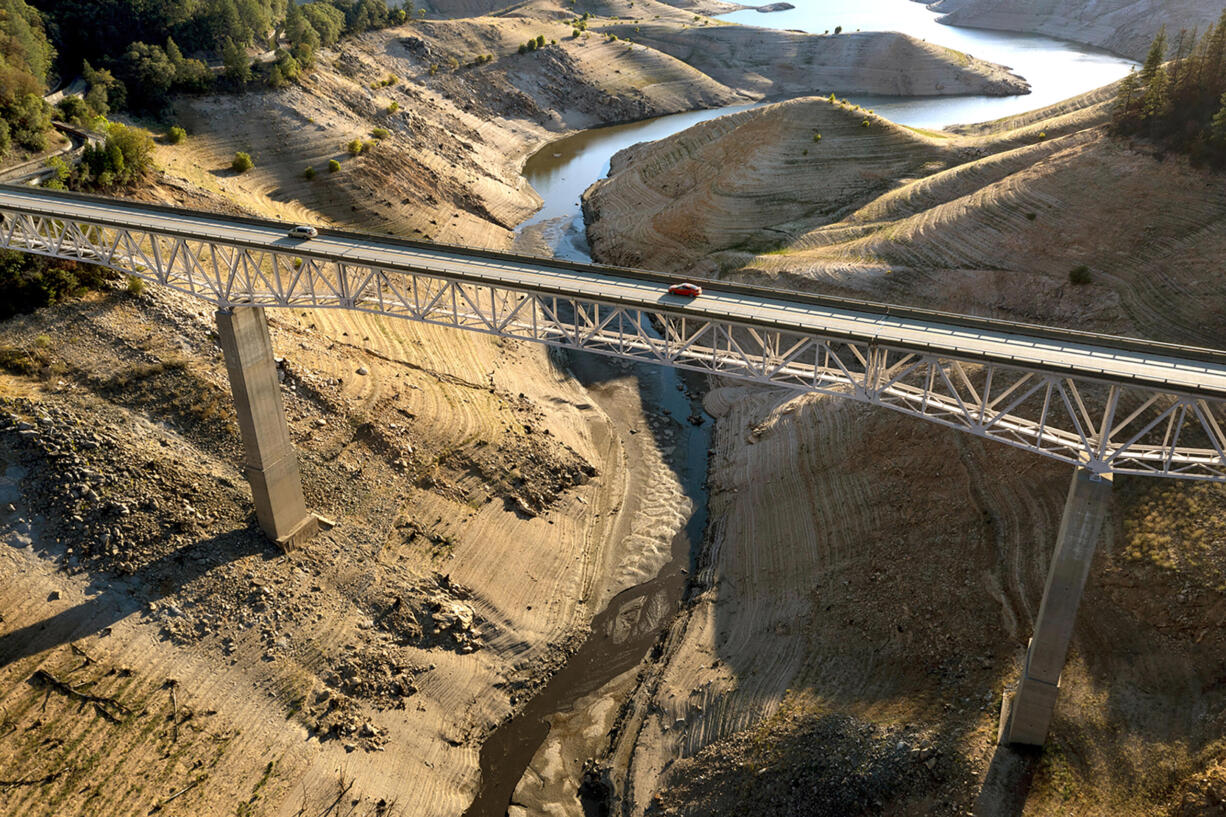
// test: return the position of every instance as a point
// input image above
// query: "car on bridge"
(686, 290)
(303, 231)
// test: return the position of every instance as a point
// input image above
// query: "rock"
(453, 615)
(362, 370)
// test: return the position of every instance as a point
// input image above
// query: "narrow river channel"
(563, 170)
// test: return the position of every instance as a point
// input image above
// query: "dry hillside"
(1123, 26)
(870, 582)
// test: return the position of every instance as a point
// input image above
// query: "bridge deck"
(1123, 361)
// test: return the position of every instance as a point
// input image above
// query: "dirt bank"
(775, 64)
(1123, 26)
(752, 181)
(878, 578)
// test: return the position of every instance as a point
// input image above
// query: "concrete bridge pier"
(269, 463)
(1026, 714)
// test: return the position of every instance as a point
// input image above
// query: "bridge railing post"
(1026, 714)
(269, 462)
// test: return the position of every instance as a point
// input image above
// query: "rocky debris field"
(816, 764)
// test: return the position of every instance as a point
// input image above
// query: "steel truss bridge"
(1112, 405)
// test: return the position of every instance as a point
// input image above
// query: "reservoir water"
(1056, 69)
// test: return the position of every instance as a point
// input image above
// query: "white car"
(303, 231)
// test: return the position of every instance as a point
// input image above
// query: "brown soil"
(831, 578)
(1123, 26)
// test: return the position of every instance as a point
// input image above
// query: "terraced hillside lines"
(831, 574)
(773, 63)
(750, 179)
(1123, 26)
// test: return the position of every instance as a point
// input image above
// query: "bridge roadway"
(1176, 369)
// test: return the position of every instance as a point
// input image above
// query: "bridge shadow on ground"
(119, 597)
(1007, 784)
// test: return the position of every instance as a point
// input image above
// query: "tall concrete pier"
(1026, 715)
(269, 463)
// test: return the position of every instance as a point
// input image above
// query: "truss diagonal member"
(975, 398)
(785, 361)
(258, 279)
(1212, 430)
(692, 340)
(1148, 427)
(1016, 402)
(962, 409)
(856, 381)
(1174, 429)
(1082, 433)
(896, 376)
(734, 350)
(1104, 429)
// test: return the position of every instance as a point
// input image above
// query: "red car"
(686, 290)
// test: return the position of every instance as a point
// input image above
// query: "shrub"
(176, 135)
(242, 162)
(136, 285)
(1079, 275)
(356, 147)
(309, 173)
(434, 67)
(394, 106)
(540, 40)
(333, 165)
(817, 137)
(30, 282)
(838, 29)
(380, 133)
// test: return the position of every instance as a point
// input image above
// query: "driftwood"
(344, 789)
(174, 709)
(180, 793)
(100, 702)
(86, 658)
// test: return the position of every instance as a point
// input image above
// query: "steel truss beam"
(1107, 427)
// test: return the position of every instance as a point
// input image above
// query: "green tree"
(1218, 125)
(147, 72)
(327, 20)
(104, 89)
(237, 65)
(176, 135)
(1155, 58)
(1124, 112)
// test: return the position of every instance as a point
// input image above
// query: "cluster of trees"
(125, 156)
(29, 282)
(537, 42)
(1181, 103)
(26, 57)
(137, 52)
